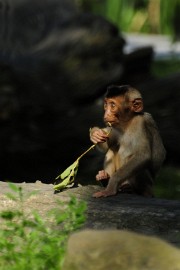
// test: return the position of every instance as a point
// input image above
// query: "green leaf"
(68, 176)
(12, 196)
(8, 214)
(13, 187)
(69, 170)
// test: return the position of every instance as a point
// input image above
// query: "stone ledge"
(157, 217)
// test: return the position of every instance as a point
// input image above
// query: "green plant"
(28, 241)
(145, 16)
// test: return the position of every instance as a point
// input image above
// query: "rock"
(112, 249)
(137, 65)
(154, 217)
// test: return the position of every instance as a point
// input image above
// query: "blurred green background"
(159, 17)
(142, 16)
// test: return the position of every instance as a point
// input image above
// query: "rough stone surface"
(156, 217)
(112, 249)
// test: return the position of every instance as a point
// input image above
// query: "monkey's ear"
(137, 105)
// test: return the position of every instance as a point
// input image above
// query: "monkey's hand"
(98, 135)
(102, 175)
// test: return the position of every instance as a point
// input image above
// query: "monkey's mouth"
(109, 123)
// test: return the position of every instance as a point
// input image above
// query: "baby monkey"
(133, 148)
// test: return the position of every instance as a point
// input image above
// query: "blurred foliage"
(144, 16)
(29, 241)
(168, 183)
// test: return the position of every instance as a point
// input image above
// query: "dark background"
(55, 64)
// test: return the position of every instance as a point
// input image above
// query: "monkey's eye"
(109, 105)
(112, 105)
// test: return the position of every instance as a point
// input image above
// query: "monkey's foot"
(104, 193)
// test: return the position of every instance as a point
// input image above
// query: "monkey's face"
(116, 110)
